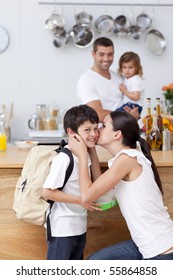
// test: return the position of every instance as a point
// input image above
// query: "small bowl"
(26, 145)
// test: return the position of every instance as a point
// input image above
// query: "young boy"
(68, 217)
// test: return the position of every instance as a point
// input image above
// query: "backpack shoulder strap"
(70, 167)
(67, 175)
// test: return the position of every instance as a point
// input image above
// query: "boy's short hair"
(77, 115)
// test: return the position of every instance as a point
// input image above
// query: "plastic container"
(107, 201)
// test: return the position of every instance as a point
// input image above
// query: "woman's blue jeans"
(126, 250)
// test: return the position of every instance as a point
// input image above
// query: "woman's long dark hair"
(131, 134)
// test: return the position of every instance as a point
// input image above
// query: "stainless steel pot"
(120, 21)
(82, 35)
(121, 24)
(155, 42)
(55, 23)
(134, 32)
(143, 21)
(83, 18)
(60, 39)
(104, 24)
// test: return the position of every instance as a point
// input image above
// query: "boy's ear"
(70, 131)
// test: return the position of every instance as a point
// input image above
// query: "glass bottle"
(155, 137)
(148, 123)
(3, 137)
(159, 117)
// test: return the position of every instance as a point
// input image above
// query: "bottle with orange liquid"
(3, 138)
(155, 137)
(148, 124)
(159, 117)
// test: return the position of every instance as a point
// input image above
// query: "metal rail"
(105, 4)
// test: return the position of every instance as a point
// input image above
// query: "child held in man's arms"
(132, 85)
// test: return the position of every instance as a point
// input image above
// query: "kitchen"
(34, 71)
(38, 71)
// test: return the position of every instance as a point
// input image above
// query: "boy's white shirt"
(66, 219)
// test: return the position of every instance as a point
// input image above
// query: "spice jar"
(50, 123)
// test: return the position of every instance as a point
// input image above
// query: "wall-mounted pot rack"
(106, 4)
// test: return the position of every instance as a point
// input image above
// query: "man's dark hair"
(102, 41)
(77, 115)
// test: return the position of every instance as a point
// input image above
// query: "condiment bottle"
(3, 137)
(155, 137)
(159, 117)
(149, 120)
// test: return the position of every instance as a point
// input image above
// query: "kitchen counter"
(104, 228)
(14, 157)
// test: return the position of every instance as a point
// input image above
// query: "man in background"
(99, 86)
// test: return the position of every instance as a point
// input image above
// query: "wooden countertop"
(161, 158)
(15, 158)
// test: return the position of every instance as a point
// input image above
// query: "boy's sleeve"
(56, 176)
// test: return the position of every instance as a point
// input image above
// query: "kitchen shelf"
(106, 4)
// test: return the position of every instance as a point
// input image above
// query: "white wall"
(33, 71)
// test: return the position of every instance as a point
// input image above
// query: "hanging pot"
(121, 25)
(60, 39)
(104, 24)
(155, 42)
(83, 18)
(55, 23)
(82, 35)
(120, 21)
(134, 32)
(143, 21)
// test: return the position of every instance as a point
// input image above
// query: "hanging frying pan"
(155, 42)
(143, 21)
(104, 24)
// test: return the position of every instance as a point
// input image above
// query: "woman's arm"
(95, 165)
(92, 191)
(59, 196)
